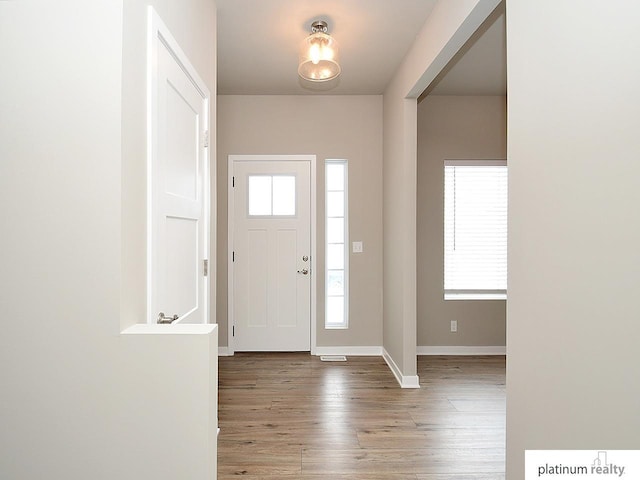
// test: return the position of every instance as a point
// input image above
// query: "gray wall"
(330, 127)
(453, 127)
(574, 227)
(448, 27)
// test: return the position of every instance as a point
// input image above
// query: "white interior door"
(178, 193)
(271, 255)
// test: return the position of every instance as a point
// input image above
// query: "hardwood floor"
(290, 416)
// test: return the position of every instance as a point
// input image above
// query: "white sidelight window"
(475, 229)
(337, 240)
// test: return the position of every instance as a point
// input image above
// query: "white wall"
(339, 126)
(80, 400)
(574, 196)
(447, 28)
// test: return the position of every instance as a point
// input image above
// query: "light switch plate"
(357, 247)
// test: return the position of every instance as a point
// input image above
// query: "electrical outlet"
(357, 247)
(454, 326)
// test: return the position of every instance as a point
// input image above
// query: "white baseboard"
(379, 351)
(405, 381)
(354, 351)
(349, 351)
(462, 350)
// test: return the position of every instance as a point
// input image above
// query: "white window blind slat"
(475, 227)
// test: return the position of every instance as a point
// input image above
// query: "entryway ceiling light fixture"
(319, 55)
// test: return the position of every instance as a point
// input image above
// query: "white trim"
(346, 254)
(475, 163)
(410, 381)
(474, 296)
(224, 352)
(405, 381)
(230, 215)
(314, 256)
(354, 351)
(158, 33)
(462, 350)
(173, 329)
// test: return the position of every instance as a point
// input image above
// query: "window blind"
(475, 227)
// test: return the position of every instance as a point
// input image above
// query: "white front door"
(179, 192)
(271, 255)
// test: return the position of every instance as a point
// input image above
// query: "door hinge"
(205, 268)
(206, 139)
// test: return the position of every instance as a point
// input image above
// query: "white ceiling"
(258, 43)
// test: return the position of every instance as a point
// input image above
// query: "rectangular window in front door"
(272, 195)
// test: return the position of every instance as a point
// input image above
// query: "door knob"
(162, 319)
(304, 271)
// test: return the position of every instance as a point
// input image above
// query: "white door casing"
(271, 300)
(178, 187)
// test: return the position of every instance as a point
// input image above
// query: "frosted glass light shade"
(319, 58)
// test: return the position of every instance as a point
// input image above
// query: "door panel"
(286, 283)
(178, 195)
(182, 145)
(181, 262)
(271, 232)
(257, 281)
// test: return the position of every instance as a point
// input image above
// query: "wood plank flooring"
(290, 416)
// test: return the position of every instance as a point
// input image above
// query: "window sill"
(475, 296)
(173, 329)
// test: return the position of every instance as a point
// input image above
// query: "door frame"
(159, 36)
(231, 226)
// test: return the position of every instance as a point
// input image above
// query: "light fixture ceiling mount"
(319, 26)
(318, 60)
